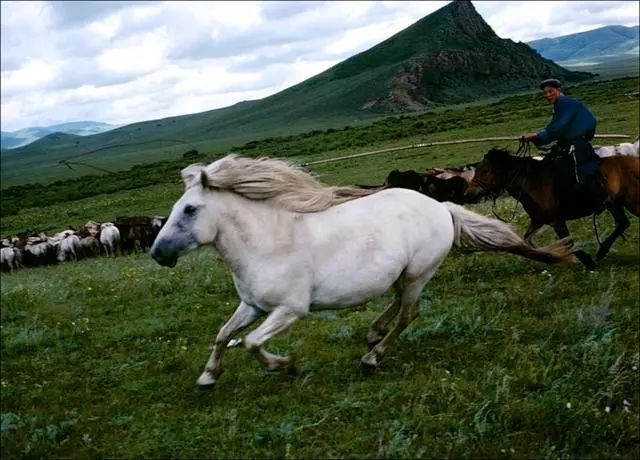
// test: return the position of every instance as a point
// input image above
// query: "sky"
(123, 62)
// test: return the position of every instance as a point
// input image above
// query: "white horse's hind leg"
(279, 320)
(407, 314)
(380, 326)
(409, 300)
(242, 317)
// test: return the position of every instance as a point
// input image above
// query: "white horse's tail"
(477, 232)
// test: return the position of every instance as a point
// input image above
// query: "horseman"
(572, 127)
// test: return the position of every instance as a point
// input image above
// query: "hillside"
(15, 139)
(610, 43)
(505, 117)
(450, 56)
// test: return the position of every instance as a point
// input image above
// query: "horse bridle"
(524, 149)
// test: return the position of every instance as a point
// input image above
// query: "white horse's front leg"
(279, 320)
(243, 316)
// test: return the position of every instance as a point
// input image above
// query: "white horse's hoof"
(369, 360)
(279, 362)
(206, 380)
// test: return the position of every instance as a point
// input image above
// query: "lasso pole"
(430, 144)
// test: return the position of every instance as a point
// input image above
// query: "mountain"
(592, 47)
(14, 139)
(450, 56)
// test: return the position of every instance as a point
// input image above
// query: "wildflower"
(568, 405)
(86, 437)
(607, 409)
(626, 404)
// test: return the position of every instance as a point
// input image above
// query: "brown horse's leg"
(533, 228)
(562, 231)
(622, 223)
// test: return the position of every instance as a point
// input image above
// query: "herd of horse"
(531, 181)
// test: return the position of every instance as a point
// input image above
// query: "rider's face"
(552, 94)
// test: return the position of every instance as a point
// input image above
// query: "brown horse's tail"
(480, 233)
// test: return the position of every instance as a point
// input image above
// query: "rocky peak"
(469, 22)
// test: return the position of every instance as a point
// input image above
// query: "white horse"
(294, 246)
(110, 238)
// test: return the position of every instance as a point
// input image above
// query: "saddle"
(577, 179)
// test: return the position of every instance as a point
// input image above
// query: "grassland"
(508, 359)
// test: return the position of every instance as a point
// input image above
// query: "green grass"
(100, 359)
(610, 69)
(508, 359)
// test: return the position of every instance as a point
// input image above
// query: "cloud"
(527, 21)
(278, 10)
(75, 13)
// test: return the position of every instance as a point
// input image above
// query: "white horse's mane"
(283, 183)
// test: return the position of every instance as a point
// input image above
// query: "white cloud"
(122, 62)
(31, 75)
(135, 56)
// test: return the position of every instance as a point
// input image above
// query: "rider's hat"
(554, 83)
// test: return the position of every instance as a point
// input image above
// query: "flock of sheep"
(128, 234)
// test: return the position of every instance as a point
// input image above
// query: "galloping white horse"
(294, 245)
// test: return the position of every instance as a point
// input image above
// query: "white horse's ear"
(204, 179)
(191, 175)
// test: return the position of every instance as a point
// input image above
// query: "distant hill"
(14, 139)
(450, 56)
(610, 43)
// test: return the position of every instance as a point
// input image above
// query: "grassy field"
(611, 68)
(508, 359)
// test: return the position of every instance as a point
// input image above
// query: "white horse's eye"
(189, 210)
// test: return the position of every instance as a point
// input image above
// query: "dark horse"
(532, 183)
(452, 189)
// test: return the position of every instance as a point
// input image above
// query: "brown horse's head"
(490, 175)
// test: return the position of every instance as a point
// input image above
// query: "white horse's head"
(192, 221)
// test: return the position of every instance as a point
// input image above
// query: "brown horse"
(532, 183)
